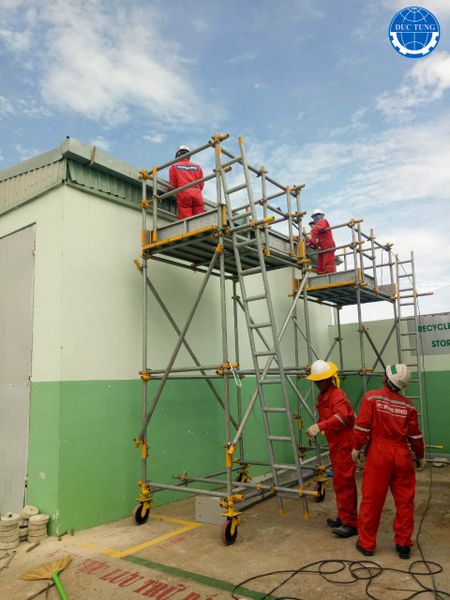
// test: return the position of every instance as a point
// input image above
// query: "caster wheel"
(141, 514)
(241, 477)
(321, 491)
(228, 538)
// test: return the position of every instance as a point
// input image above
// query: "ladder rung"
(411, 365)
(404, 262)
(407, 303)
(406, 295)
(237, 188)
(279, 438)
(284, 467)
(237, 209)
(413, 333)
(413, 381)
(409, 349)
(401, 276)
(231, 162)
(266, 353)
(413, 397)
(274, 409)
(254, 298)
(270, 381)
(251, 271)
(260, 325)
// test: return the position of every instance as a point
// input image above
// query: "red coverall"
(387, 421)
(321, 240)
(190, 201)
(336, 421)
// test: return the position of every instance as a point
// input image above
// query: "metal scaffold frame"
(231, 242)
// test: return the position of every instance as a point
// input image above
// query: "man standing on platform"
(336, 422)
(190, 201)
(387, 423)
(321, 238)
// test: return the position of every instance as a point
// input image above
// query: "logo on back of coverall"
(414, 32)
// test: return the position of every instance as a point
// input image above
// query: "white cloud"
(18, 41)
(25, 153)
(155, 138)
(428, 80)
(356, 123)
(101, 143)
(104, 60)
(240, 58)
(6, 107)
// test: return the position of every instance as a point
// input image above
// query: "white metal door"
(16, 334)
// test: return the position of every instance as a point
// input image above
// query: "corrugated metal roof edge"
(87, 155)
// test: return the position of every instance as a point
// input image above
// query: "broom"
(51, 571)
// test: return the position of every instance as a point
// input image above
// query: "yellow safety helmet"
(320, 369)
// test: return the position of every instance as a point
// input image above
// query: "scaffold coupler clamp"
(144, 174)
(243, 473)
(145, 374)
(145, 495)
(142, 444)
(228, 505)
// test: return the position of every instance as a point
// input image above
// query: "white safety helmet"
(317, 211)
(182, 150)
(398, 374)
(320, 369)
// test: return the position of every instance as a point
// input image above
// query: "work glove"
(355, 456)
(421, 463)
(312, 431)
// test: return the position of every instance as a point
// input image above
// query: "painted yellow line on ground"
(186, 526)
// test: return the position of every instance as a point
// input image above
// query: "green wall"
(436, 388)
(84, 466)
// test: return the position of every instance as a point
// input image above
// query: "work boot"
(363, 550)
(403, 551)
(334, 522)
(345, 531)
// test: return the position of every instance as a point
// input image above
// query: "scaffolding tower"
(239, 241)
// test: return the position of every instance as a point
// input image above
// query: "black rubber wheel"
(321, 491)
(240, 477)
(141, 514)
(227, 537)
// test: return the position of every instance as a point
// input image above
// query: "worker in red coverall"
(387, 423)
(190, 201)
(322, 240)
(336, 422)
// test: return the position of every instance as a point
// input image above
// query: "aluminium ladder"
(248, 233)
(409, 347)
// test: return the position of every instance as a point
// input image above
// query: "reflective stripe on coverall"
(387, 421)
(321, 240)
(190, 201)
(336, 421)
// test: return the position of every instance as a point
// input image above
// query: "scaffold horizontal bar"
(279, 438)
(285, 467)
(188, 490)
(182, 236)
(274, 409)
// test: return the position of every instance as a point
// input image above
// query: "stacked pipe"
(37, 528)
(27, 512)
(9, 531)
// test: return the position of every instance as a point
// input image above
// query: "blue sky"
(315, 87)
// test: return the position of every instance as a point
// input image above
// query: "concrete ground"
(172, 556)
